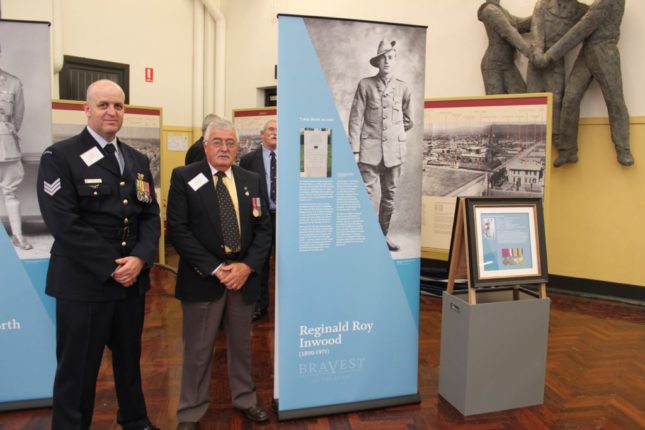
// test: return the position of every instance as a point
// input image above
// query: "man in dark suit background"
(263, 161)
(96, 195)
(219, 224)
(196, 150)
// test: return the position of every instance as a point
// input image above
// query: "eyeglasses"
(230, 143)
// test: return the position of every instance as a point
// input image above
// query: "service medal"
(257, 206)
(143, 189)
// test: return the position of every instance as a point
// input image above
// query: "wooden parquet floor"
(595, 375)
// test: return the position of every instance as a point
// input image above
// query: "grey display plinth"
(493, 353)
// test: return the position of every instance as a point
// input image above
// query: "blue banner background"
(28, 336)
(341, 289)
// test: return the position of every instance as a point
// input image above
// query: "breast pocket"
(92, 197)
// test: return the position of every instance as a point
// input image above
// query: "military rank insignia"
(143, 189)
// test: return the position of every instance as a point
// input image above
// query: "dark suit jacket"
(194, 230)
(254, 162)
(95, 217)
(195, 152)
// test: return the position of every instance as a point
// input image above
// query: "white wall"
(141, 33)
(456, 42)
(154, 33)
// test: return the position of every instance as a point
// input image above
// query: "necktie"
(272, 174)
(110, 148)
(228, 218)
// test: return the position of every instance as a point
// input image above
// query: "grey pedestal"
(493, 353)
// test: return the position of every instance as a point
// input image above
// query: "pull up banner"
(350, 117)
(27, 315)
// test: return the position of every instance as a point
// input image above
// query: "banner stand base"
(26, 404)
(346, 407)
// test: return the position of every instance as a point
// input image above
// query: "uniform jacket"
(378, 120)
(254, 161)
(95, 217)
(12, 110)
(194, 231)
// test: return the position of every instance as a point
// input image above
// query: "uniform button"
(124, 243)
(122, 183)
(125, 221)
(125, 201)
(95, 193)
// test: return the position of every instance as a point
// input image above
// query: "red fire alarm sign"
(150, 72)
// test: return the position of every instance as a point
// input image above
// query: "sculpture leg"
(554, 83)
(513, 81)
(493, 81)
(578, 82)
(604, 63)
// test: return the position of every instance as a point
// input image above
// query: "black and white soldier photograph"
(25, 130)
(376, 75)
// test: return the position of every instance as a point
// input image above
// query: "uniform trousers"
(83, 329)
(201, 321)
(388, 178)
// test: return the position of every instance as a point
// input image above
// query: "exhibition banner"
(27, 329)
(350, 115)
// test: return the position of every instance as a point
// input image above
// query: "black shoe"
(255, 413)
(391, 245)
(259, 313)
(21, 242)
(186, 426)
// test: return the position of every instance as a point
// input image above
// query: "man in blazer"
(219, 224)
(263, 161)
(97, 198)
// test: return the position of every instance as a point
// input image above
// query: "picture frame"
(507, 241)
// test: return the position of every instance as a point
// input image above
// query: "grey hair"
(222, 124)
(208, 119)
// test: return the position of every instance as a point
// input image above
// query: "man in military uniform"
(378, 122)
(96, 195)
(12, 109)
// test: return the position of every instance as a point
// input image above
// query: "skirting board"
(600, 289)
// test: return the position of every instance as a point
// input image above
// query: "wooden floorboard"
(595, 376)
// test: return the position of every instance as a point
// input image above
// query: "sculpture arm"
(500, 23)
(590, 21)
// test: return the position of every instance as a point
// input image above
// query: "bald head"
(105, 107)
(102, 85)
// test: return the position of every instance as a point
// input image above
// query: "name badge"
(91, 156)
(198, 181)
(93, 181)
